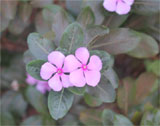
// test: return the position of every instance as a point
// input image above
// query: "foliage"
(128, 45)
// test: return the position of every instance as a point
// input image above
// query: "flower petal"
(56, 58)
(92, 77)
(71, 63)
(129, 2)
(65, 81)
(77, 78)
(82, 54)
(122, 8)
(95, 63)
(30, 80)
(47, 70)
(42, 86)
(110, 5)
(55, 83)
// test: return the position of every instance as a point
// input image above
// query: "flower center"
(84, 67)
(59, 71)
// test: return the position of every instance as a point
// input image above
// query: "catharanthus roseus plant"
(76, 56)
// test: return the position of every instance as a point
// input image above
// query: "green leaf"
(146, 7)
(33, 68)
(9, 8)
(28, 57)
(86, 17)
(77, 90)
(62, 50)
(103, 91)
(40, 47)
(111, 75)
(25, 11)
(37, 100)
(114, 20)
(49, 35)
(91, 117)
(7, 119)
(40, 3)
(59, 103)
(35, 120)
(93, 32)
(146, 48)
(112, 119)
(14, 103)
(92, 101)
(72, 37)
(58, 18)
(118, 41)
(151, 118)
(41, 25)
(107, 60)
(96, 7)
(153, 66)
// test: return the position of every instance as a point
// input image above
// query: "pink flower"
(41, 86)
(54, 73)
(119, 6)
(82, 69)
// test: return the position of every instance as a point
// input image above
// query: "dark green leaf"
(35, 120)
(33, 68)
(59, 103)
(40, 47)
(13, 102)
(86, 17)
(77, 90)
(118, 41)
(153, 66)
(92, 101)
(112, 119)
(103, 91)
(96, 7)
(92, 33)
(91, 117)
(37, 100)
(146, 7)
(72, 37)
(41, 25)
(59, 19)
(7, 119)
(111, 75)
(147, 47)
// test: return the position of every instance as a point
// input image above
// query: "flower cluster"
(73, 70)
(41, 86)
(119, 6)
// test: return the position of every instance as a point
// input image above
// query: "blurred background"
(135, 100)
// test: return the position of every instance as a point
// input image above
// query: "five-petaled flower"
(53, 71)
(41, 86)
(82, 69)
(119, 6)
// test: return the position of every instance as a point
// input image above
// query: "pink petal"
(122, 8)
(65, 81)
(56, 58)
(82, 54)
(42, 87)
(30, 80)
(95, 63)
(71, 63)
(77, 78)
(92, 77)
(47, 70)
(55, 83)
(110, 5)
(129, 2)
